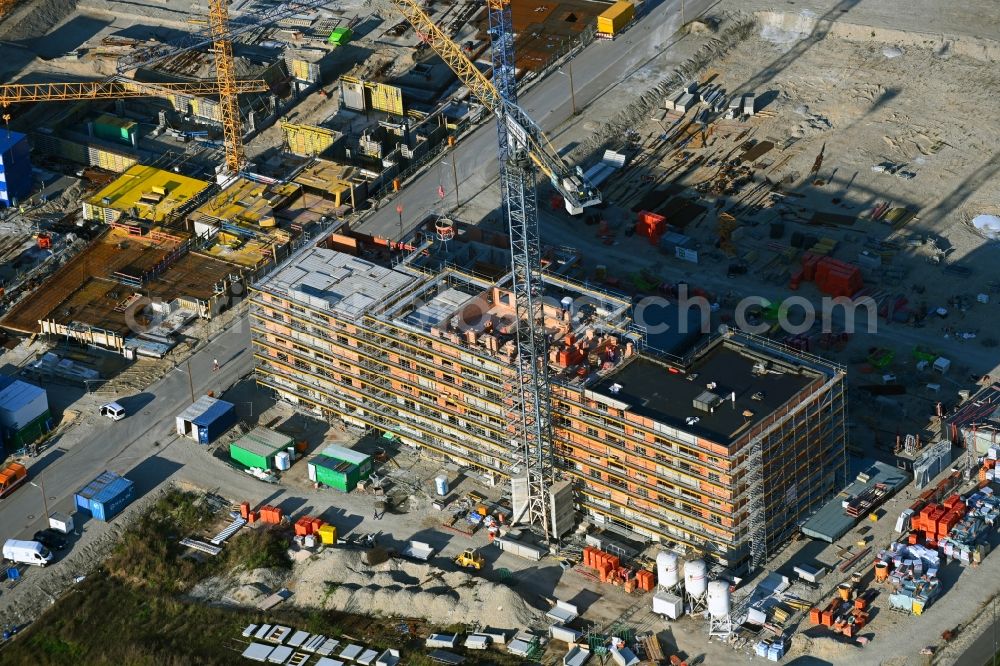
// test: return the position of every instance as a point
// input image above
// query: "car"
(113, 411)
(51, 539)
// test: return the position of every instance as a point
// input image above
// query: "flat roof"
(153, 193)
(831, 521)
(17, 393)
(263, 441)
(739, 398)
(337, 282)
(10, 138)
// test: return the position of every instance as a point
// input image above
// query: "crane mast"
(523, 150)
(518, 199)
(225, 70)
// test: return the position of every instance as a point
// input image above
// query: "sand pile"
(407, 589)
(247, 588)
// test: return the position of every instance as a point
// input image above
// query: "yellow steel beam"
(542, 153)
(14, 93)
(225, 69)
(451, 53)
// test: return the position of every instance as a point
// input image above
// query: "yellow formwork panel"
(386, 98)
(307, 140)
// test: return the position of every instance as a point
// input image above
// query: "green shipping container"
(258, 447)
(362, 460)
(337, 474)
(340, 36)
(113, 128)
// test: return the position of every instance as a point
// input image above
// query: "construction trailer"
(723, 451)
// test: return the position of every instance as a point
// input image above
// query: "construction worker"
(215, 365)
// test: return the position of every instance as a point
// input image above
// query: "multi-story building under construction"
(722, 452)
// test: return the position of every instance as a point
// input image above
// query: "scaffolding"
(788, 430)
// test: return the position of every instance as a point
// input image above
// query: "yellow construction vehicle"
(470, 559)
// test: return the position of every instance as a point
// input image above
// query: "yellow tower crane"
(225, 71)
(117, 88)
(226, 86)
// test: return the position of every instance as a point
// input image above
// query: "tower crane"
(219, 35)
(226, 86)
(522, 147)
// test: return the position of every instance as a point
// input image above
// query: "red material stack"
(832, 276)
(307, 525)
(244, 510)
(270, 515)
(645, 580)
(651, 226)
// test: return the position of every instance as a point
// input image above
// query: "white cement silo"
(667, 575)
(695, 578)
(720, 606)
(718, 598)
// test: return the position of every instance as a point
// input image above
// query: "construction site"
(567, 333)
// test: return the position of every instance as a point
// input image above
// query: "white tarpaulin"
(988, 225)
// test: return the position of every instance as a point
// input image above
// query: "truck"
(12, 477)
(26, 552)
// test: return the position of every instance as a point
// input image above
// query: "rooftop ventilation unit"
(707, 401)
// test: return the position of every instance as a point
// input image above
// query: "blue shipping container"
(106, 496)
(112, 500)
(214, 421)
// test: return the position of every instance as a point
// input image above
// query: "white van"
(26, 552)
(113, 411)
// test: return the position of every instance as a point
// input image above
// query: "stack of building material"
(913, 580)
(270, 515)
(606, 565)
(846, 613)
(935, 521)
(968, 540)
(645, 580)
(772, 650)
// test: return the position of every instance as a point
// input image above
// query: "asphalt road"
(984, 648)
(122, 446)
(597, 68)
